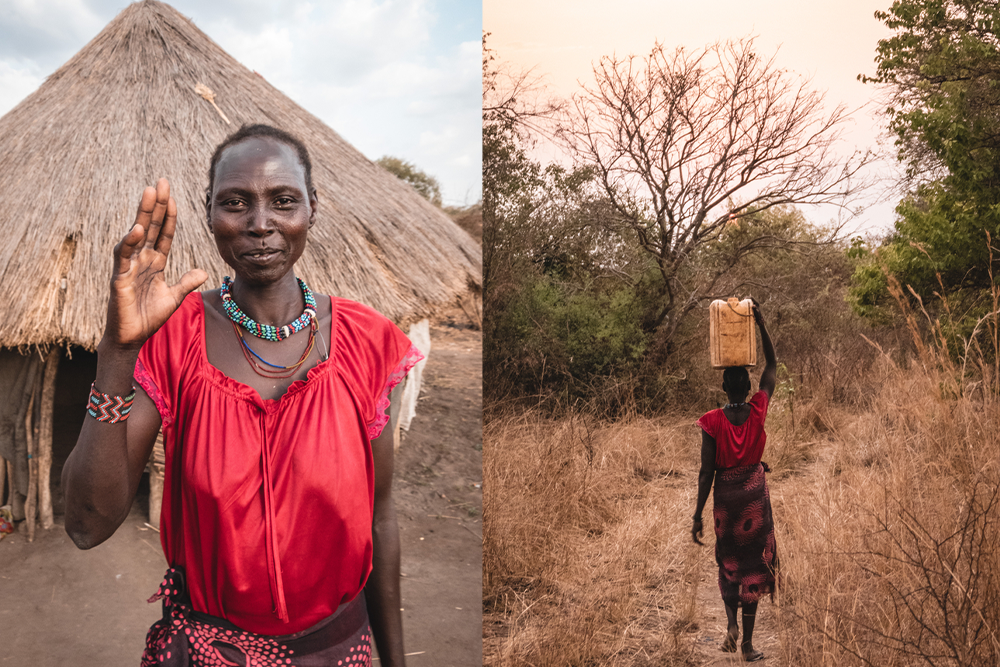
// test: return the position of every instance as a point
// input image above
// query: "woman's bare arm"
(769, 377)
(102, 472)
(382, 590)
(705, 478)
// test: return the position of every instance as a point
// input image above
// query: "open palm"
(141, 300)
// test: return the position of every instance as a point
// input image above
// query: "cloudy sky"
(393, 77)
(829, 42)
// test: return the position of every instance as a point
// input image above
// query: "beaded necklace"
(266, 331)
(734, 406)
(270, 370)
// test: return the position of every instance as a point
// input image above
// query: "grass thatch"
(76, 154)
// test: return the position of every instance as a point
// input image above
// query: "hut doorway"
(76, 371)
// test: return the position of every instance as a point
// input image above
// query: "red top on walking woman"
(742, 445)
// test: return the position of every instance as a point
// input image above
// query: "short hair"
(736, 377)
(262, 131)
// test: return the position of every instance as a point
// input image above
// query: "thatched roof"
(76, 154)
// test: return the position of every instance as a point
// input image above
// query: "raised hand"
(141, 300)
(757, 315)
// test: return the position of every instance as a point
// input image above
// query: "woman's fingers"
(155, 222)
(126, 248)
(166, 235)
(147, 203)
(160, 204)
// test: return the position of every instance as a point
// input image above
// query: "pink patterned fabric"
(147, 384)
(412, 358)
(183, 638)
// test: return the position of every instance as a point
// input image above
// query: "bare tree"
(688, 143)
(514, 99)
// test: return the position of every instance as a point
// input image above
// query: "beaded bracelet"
(107, 408)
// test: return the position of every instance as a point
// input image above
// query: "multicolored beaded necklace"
(734, 406)
(274, 370)
(266, 331)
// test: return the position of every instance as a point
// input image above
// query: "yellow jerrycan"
(732, 333)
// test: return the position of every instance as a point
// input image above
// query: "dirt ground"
(61, 606)
(711, 623)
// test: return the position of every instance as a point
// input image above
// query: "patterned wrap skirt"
(744, 535)
(186, 638)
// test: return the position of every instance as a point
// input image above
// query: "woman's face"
(260, 211)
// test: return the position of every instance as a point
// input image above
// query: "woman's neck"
(277, 303)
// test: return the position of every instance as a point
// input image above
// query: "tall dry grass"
(890, 543)
(893, 542)
(584, 526)
(887, 515)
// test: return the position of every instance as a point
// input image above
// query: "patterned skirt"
(185, 638)
(744, 535)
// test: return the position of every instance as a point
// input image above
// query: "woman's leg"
(733, 631)
(749, 619)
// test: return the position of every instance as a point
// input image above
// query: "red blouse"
(741, 445)
(267, 504)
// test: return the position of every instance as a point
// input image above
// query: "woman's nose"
(259, 222)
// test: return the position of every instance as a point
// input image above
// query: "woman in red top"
(732, 443)
(277, 506)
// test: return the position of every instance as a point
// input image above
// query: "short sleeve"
(707, 423)
(761, 402)
(162, 357)
(375, 355)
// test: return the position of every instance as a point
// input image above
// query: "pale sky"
(393, 77)
(829, 42)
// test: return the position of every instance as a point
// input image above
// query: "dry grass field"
(887, 514)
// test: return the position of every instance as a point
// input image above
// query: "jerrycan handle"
(732, 302)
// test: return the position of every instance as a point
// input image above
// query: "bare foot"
(729, 643)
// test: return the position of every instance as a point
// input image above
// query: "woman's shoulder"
(358, 327)
(709, 420)
(714, 412)
(359, 321)
(760, 399)
(192, 303)
(353, 310)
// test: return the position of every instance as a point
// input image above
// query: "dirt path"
(711, 616)
(439, 502)
(61, 606)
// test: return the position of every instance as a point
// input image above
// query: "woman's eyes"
(280, 202)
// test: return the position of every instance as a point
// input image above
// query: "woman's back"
(739, 444)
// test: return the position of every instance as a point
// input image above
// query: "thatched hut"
(150, 97)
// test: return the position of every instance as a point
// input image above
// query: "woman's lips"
(261, 256)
